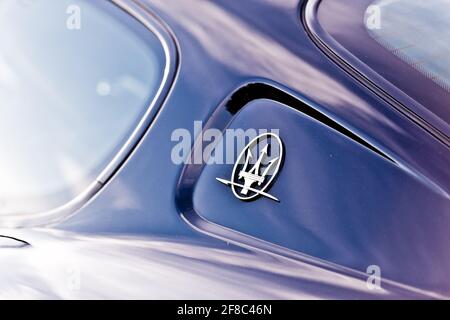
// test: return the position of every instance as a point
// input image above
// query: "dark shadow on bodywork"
(255, 91)
(7, 242)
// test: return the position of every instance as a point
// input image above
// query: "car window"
(405, 30)
(406, 42)
(76, 77)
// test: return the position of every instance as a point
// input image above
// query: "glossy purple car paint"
(362, 182)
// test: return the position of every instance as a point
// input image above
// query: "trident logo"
(252, 175)
(255, 181)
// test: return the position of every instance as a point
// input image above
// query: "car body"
(364, 184)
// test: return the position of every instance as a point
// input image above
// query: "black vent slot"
(253, 91)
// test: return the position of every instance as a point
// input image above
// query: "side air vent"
(254, 91)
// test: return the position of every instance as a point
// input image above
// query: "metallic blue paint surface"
(343, 207)
(338, 201)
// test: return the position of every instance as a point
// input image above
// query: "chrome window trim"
(155, 25)
(368, 77)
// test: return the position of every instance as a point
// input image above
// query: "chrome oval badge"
(256, 167)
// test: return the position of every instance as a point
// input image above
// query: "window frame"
(369, 77)
(153, 24)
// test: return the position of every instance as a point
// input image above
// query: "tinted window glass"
(416, 31)
(406, 42)
(75, 78)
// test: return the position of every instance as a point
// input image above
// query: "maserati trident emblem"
(253, 176)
